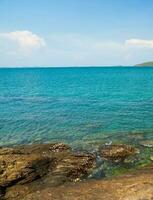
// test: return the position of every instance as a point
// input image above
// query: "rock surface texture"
(54, 171)
(137, 186)
(117, 153)
(47, 164)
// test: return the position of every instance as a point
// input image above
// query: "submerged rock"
(151, 158)
(117, 152)
(136, 136)
(146, 143)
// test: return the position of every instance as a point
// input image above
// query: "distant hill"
(145, 64)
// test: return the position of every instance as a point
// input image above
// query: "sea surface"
(79, 106)
(74, 103)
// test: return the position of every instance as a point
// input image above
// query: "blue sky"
(75, 32)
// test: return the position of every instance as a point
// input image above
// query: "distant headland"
(145, 64)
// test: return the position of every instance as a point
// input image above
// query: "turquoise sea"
(74, 103)
(80, 106)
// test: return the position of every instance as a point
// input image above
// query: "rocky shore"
(24, 168)
(55, 171)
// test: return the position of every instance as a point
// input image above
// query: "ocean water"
(75, 104)
(84, 107)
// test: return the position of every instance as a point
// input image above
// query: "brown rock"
(117, 153)
(146, 143)
(59, 147)
(74, 166)
(25, 168)
(47, 164)
(131, 187)
(41, 148)
(2, 192)
(68, 166)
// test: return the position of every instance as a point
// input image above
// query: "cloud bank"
(139, 43)
(24, 39)
(25, 48)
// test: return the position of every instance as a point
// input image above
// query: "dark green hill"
(145, 64)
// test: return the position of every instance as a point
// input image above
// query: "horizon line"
(79, 66)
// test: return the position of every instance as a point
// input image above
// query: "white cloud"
(139, 43)
(70, 50)
(25, 39)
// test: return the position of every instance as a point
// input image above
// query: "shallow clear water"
(74, 104)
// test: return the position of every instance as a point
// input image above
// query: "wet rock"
(117, 153)
(33, 170)
(130, 160)
(151, 158)
(146, 143)
(59, 147)
(132, 187)
(81, 165)
(5, 151)
(70, 167)
(41, 148)
(46, 164)
(2, 192)
(15, 169)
